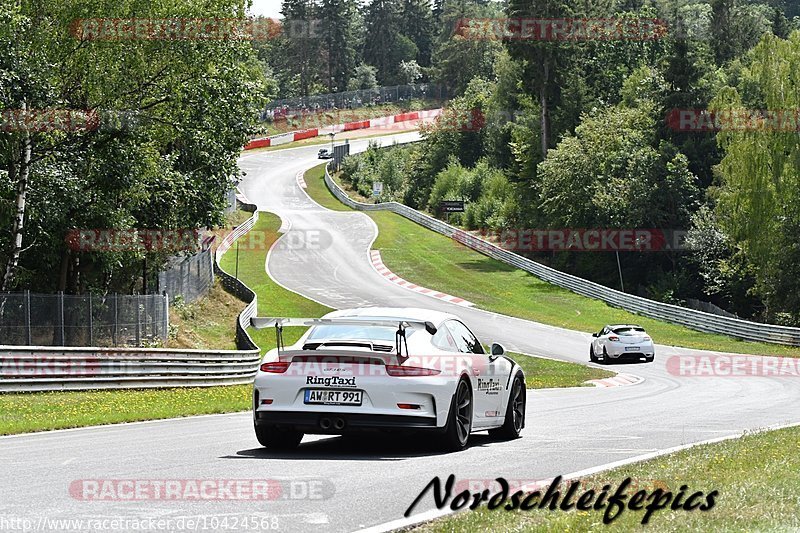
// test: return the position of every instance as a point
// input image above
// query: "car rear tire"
(606, 358)
(649, 359)
(515, 412)
(592, 356)
(278, 439)
(459, 419)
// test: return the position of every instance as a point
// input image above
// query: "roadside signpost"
(451, 206)
(377, 188)
(340, 151)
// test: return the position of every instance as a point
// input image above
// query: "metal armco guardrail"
(234, 286)
(43, 368)
(698, 320)
(46, 368)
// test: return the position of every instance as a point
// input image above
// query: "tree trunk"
(545, 110)
(23, 168)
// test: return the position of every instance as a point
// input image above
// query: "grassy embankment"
(455, 269)
(757, 477)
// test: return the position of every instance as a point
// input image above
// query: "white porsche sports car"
(385, 369)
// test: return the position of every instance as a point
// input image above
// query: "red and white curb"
(301, 180)
(293, 136)
(380, 268)
(620, 380)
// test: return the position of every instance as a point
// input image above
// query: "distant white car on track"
(385, 369)
(622, 342)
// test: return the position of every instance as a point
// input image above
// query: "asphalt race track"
(354, 484)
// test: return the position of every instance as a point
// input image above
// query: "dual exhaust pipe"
(335, 423)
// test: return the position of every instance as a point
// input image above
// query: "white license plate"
(632, 349)
(333, 397)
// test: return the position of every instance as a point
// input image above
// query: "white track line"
(433, 514)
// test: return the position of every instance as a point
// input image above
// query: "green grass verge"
(273, 300)
(316, 189)
(42, 411)
(541, 373)
(757, 478)
(453, 268)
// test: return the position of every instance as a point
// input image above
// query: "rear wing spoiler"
(268, 322)
(400, 323)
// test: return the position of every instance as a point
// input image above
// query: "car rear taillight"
(410, 371)
(278, 367)
(613, 338)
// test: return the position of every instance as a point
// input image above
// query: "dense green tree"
(737, 26)
(173, 116)
(417, 23)
(761, 169)
(689, 84)
(341, 40)
(301, 50)
(364, 77)
(543, 61)
(384, 45)
(611, 175)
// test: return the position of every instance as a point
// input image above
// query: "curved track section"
(360, 484)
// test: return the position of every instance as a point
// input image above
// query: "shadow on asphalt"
(360, 448)
(623, 363)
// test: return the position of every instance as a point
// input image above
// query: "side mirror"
(594, 335)
(498, 350)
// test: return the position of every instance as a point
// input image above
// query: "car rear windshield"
(364, 333)
(628, 330)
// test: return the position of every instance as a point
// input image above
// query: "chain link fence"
(289, 107)
(83, 320)
(188, 277)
